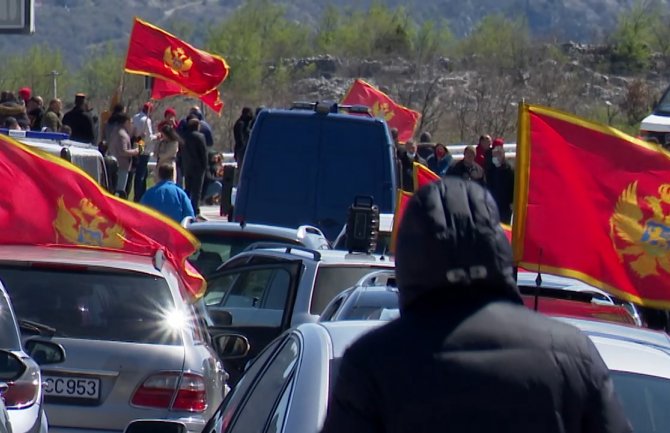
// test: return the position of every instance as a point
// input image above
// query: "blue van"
(305, 166)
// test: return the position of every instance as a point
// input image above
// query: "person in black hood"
(465, 354)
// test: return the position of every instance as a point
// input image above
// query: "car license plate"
(72, 387)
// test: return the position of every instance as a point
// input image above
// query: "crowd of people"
(484, 164)
(186, 145)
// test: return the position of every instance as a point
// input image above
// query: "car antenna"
(538, 281)
(383, 256)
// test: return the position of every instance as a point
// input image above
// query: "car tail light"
(21, 394)
(159, 391)
(192, 394)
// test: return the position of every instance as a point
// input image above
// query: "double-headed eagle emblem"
(84, 225)
(382, 111)
(177, 61)
(644, 244)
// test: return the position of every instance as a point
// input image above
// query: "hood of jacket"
(450, 240)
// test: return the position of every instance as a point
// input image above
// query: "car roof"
(343, 333)
(323, 257)
(218, 226)
(553, 281)
(628, 349)
(340, 257)
(92, 257)
(621, 331)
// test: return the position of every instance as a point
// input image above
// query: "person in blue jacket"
(167, 197)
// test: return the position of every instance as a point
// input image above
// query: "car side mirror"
(44, 352)
(155, 426)
(221, 317)
(11, 366)
(230, 346)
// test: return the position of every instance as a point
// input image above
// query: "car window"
(279, 415)
(215, 249)
(253, 297)
(9, 335)
(331, 309)
(260, 404)
(97, 305)
(332, 280)
(645, 400)
(238, 393)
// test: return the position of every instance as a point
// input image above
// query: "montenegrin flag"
(592, 203)
(162, 89)
(422, 175)
(49, 201)
(157, 53)
(382, 106)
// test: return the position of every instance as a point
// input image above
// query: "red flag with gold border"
(163, 89)
(592, 203)
(155, 52)
(382, 106)
(422, 175)
(402, 199)
(66, 207)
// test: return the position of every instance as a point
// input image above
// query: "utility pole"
(54, 82)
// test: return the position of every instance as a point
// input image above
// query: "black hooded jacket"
(465, 355)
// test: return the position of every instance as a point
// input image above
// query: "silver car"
(20, 378)
(136, 347)
(286, 388)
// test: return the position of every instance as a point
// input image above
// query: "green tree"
(377, 32)
(633, 37)
(254, 38)
(497, 42)
(100, 75)
(33, 69)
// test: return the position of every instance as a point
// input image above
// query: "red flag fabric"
(155, 52)
(382, 106)
(422, 175)
(67, 207)
(162, 89)
(402, 199)
(592, 203)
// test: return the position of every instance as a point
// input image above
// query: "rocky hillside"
(77, 26)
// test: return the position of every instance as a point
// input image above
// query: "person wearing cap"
(24, 95)
(142, 132)
(80, 121)
(205, 129)
(465, 355)
(169, 118)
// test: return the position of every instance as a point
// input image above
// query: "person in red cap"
(498, 142)
(24, 94)
(169, 118)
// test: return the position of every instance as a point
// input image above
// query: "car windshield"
(96, 305)
(645, 400)
(331, 280)
(664, 105)
(217, 248)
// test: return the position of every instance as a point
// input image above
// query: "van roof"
(299, 112)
